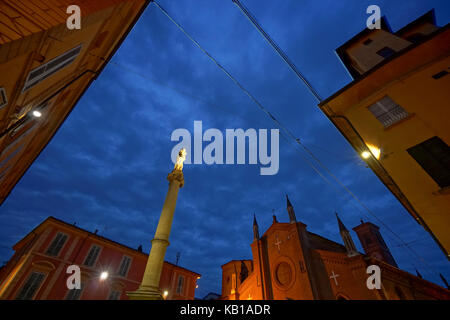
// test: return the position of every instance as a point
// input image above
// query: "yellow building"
(45, 68)
(396, 114)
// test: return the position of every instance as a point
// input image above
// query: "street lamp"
(37, 114)
(104, 275)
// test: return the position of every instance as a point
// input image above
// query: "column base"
(148, 293)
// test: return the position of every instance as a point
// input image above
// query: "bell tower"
(373, 243)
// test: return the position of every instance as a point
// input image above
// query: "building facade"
(395, 114)
(38, 269)
(45, 68)
(290, 262)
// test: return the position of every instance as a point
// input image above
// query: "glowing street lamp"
(165, 294)
(365, 154)
(104, 275)
(37, 114)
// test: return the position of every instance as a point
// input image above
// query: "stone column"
(149, 288)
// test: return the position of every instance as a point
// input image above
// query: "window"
(10, 156)
(3, 97)
(439, 75)
(180, 284)
(114, 295)
(31, 286)
(386, 52)
(74, 294)
(44, 71)
(433, 155)
(92, 256)
(387, 111)
(124, 266)
(367, 42)
(57, 244)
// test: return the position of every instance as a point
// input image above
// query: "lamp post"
(149, 287)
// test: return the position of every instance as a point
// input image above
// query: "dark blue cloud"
(106, 167)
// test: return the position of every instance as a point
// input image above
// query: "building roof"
(95, 236)
(359, 78)
(429, 17)
(342, 50)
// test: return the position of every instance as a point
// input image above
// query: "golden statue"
(180, 159)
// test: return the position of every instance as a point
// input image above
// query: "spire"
(347, 238)
(291, 212)
(444, 280)
(341, 225)
(255, 228)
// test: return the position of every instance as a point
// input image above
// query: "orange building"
(395, 114)
(45, 68)
(38, 269)
(290, 262)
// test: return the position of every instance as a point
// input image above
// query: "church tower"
(291, 212)
(255, 229)
(373, 243)
(347, 238)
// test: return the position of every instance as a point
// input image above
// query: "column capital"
(176, 175)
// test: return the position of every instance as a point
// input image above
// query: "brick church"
(290, 262)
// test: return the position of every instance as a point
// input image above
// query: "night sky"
(107, 165)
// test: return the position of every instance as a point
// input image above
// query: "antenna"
(178, 258)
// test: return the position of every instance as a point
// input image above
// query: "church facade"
(289, 262)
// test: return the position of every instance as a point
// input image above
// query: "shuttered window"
(114, 295)
(180, 285)
(74, 294)
(124, 266)
(92, 256)
(3, 97)
(44, 71)
(57, 244)
(387, 111)
(31, 286)
(433, 155)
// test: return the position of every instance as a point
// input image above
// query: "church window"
(57, 244)
(283, 274)
(302, 267)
